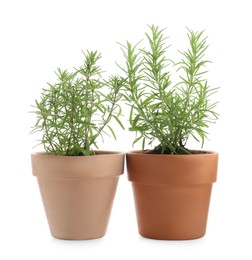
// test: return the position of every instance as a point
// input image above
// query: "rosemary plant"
(75, 111)
(160, 110)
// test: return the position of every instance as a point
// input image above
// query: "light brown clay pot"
(172, 193)
(78, 192)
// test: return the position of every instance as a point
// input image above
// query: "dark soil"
(181, 152)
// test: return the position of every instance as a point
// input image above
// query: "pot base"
(168, 212)
(170, 238)
(78, 209)
(77, 238)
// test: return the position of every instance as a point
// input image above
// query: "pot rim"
(107, 164)
(99, 153)
(140, 152)
(172, 169)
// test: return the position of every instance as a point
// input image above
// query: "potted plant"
(171, 183)
(77, 183)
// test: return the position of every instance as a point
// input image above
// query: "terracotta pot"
(78, 192)
(172, 193)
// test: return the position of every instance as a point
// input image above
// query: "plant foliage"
(75, 111)
(162, 111)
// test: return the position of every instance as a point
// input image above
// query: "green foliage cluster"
(161, 111)
(78, 108)
(75, 111)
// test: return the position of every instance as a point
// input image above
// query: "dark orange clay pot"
(172, 193)
(78, 192)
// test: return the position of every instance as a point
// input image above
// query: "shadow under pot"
(78, 192)
(172, 193)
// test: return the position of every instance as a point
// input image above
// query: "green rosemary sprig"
(74, 112)
(162, 112)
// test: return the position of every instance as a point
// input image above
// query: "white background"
(36, 37)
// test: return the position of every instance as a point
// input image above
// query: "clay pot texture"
(78, 192)
(172, 193)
